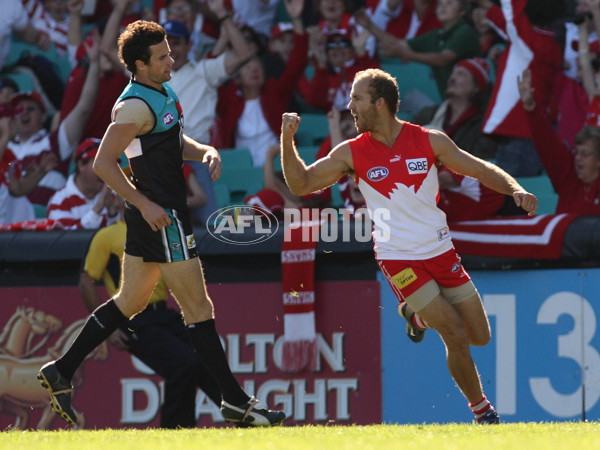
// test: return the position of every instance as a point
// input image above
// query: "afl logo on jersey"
(168, 118)
(377, 173)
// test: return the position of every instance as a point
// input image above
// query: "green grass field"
(547, 436)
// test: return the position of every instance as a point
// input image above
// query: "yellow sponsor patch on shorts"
(191, 241)
(404, 278)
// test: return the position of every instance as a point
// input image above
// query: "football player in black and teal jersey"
(147, 125)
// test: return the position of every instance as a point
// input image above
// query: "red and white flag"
(298, 251)
(537, 237)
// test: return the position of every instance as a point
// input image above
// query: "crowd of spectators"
(239, 64)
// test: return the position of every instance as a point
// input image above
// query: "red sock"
(416, 320)
(419, 322)
(481, 407)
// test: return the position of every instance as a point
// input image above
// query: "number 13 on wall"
(570, 385)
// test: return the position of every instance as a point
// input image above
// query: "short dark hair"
(382, 84)
(136, 40)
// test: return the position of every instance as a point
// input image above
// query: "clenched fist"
(289, 123)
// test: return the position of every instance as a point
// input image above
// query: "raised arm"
(240, 50)
(75, 121)
(594, 6)
(364, 20)
(385, 11)
(323, 173)
(294, 9)
(108, 44)
(74, 34)
(585, 61)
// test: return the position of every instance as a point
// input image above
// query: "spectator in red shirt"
(571, 94)
(338, 59)
(575, 174)
(251, 106)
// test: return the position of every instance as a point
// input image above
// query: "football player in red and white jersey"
(395, 165)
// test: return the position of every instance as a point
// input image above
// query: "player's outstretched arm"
(304, 180)
(488, 174)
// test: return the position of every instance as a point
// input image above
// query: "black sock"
(99, 325)
(207, 344)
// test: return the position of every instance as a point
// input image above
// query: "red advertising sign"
(112, 389)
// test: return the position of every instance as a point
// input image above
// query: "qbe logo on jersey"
(377, 173)
(416, 166)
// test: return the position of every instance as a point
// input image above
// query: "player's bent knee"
(455, 336)
(131, 305)
(479, 340)
(480, 335)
